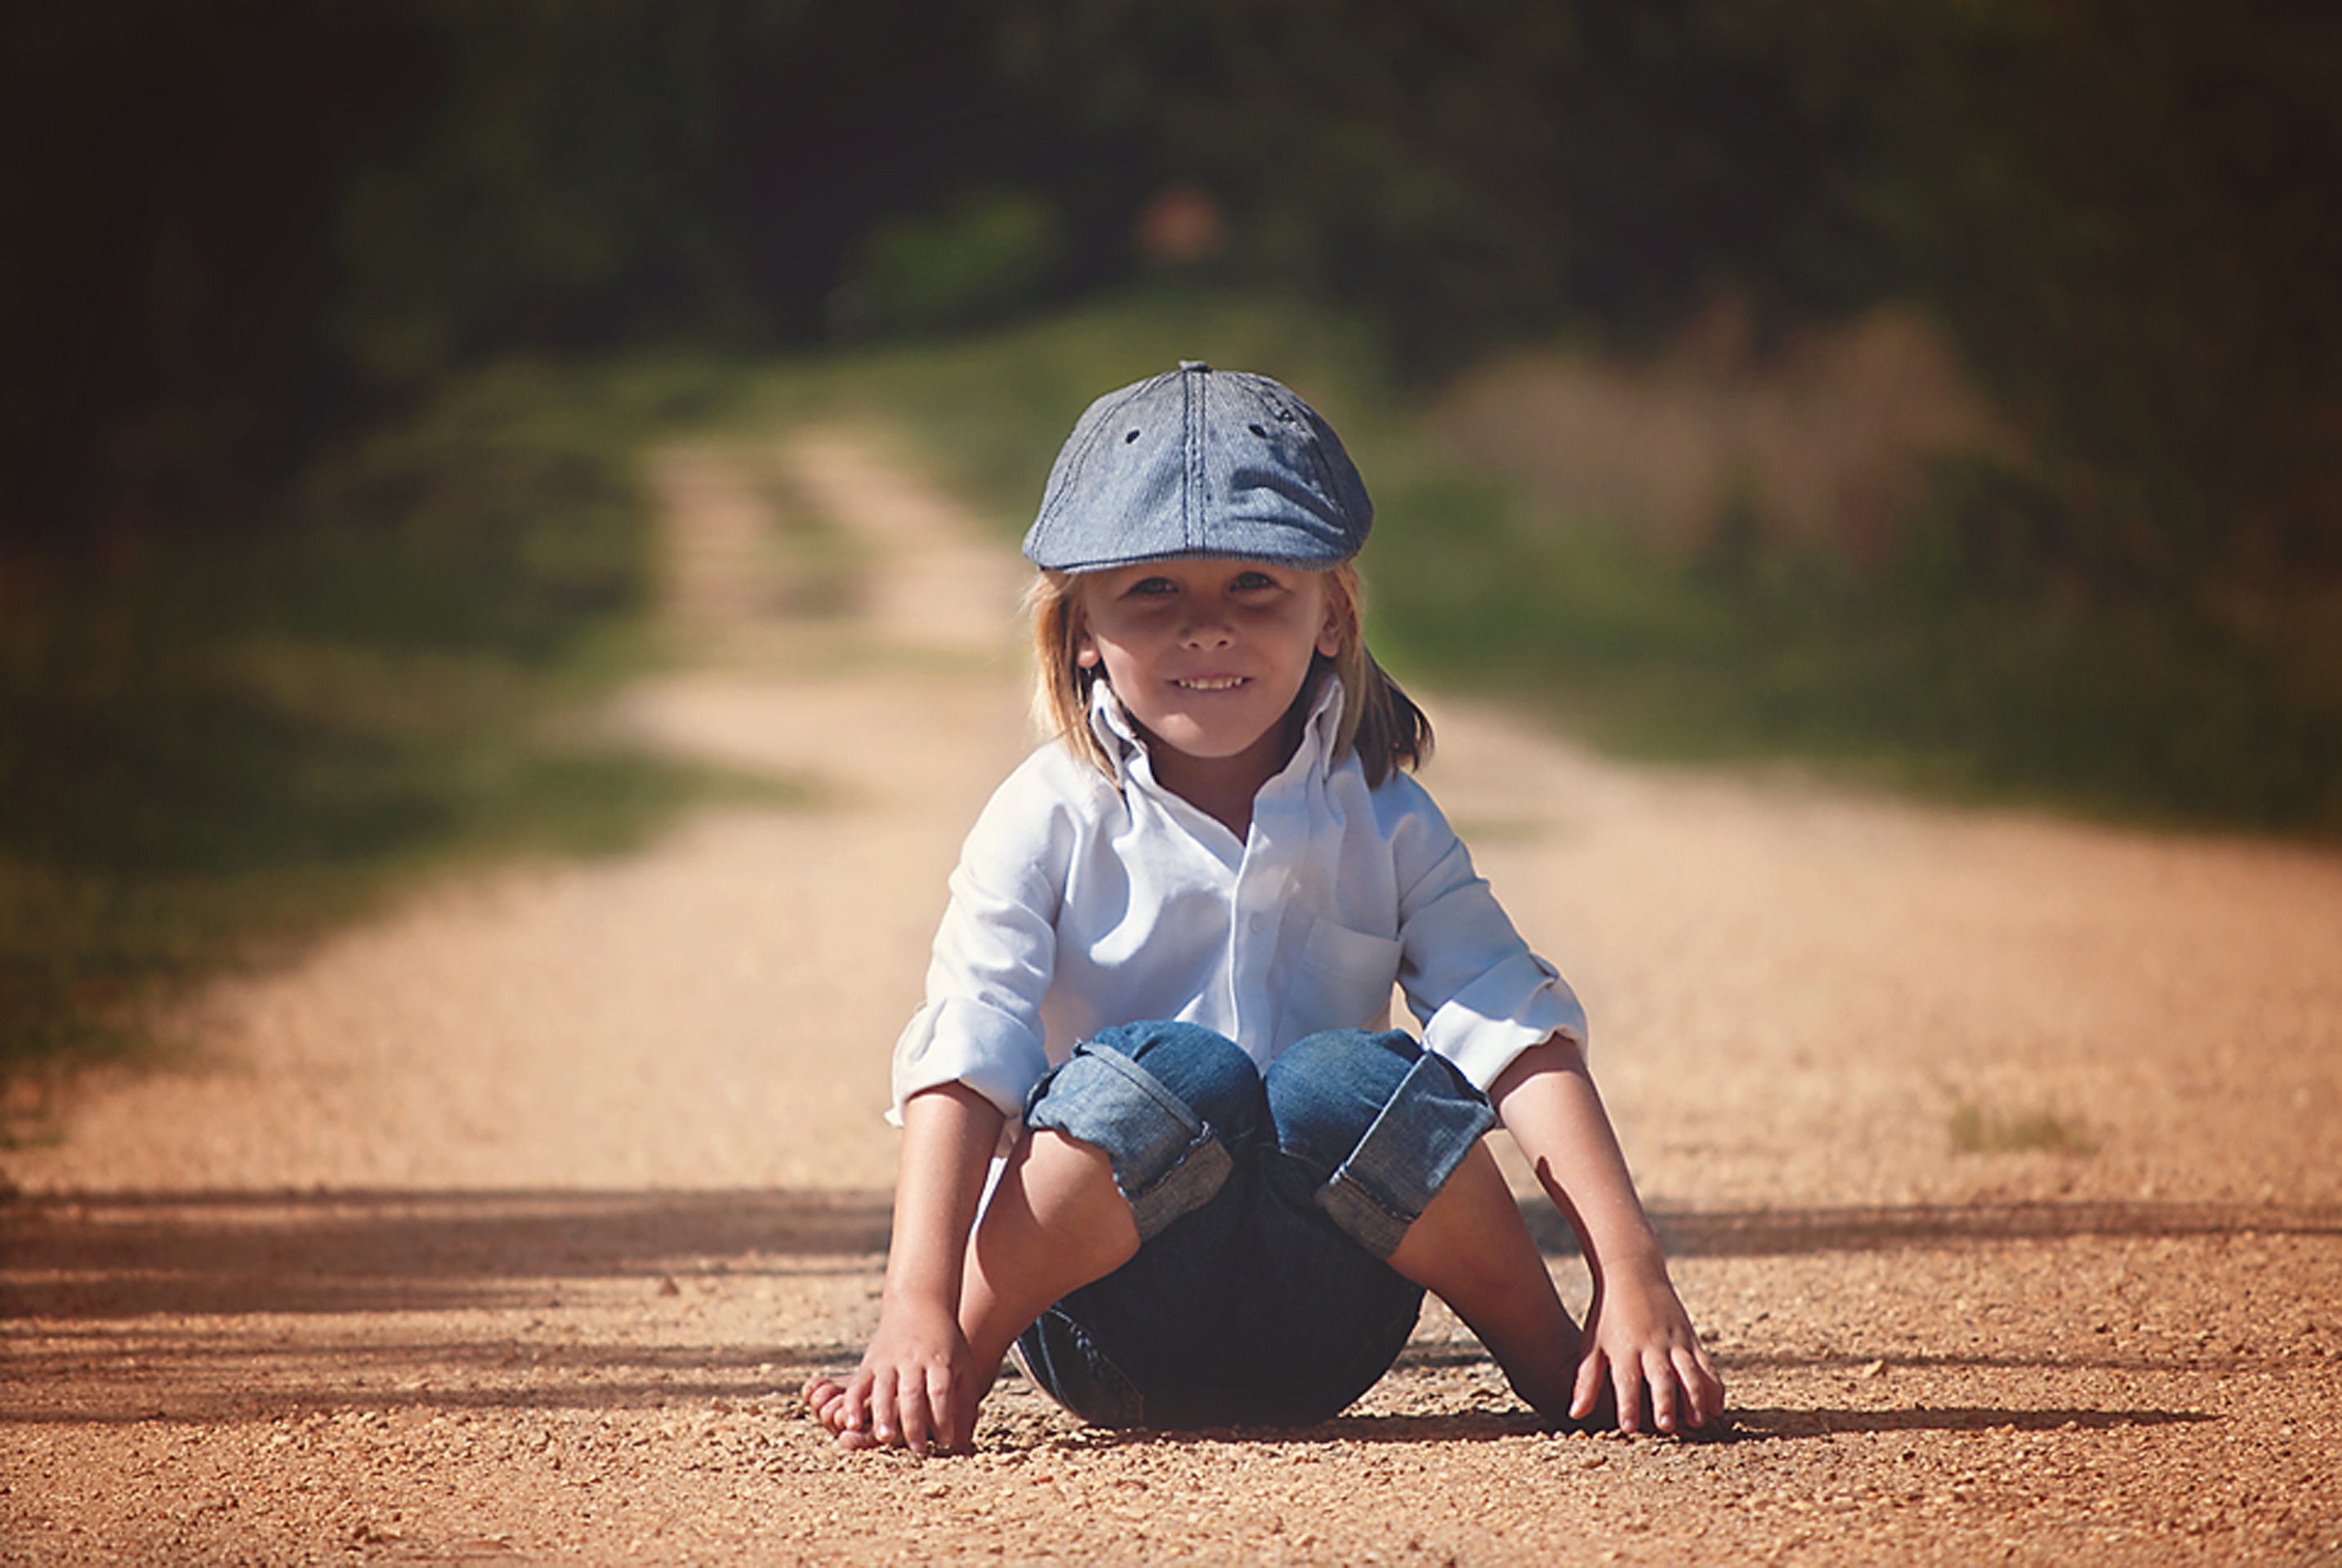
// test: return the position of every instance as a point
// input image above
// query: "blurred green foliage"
(987, 252)
(213, 751)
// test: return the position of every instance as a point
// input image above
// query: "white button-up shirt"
(1082, 902)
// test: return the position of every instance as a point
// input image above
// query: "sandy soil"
(1998, 1154)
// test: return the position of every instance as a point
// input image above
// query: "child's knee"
(1201, 1069)
(1169, 1104)
(1328, 1090)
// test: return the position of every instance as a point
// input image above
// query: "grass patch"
(1975, 1130)
(214, 751)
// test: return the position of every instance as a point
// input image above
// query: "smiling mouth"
(1212, 683)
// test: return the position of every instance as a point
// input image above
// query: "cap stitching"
(1192, 501)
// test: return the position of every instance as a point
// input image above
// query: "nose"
(1205, 624)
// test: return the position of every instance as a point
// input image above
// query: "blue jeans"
(1265, 1206)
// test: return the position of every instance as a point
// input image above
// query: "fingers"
(1705, 1388)
(1661, 1388)
(850, 1413)
(827, 1399)
(1702, 1391)
(914, 1421)
(918, 1409)
(1587, 1392)
(943, 1416)
(1660, 1372)
(843, 1408)
(1626, 1383)
(931, 1407)
(885, 1424)
(1685, 1391)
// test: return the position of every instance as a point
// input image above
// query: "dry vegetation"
(1824, 439)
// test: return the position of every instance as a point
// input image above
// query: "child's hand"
(917, 1387)
(1637, 1336)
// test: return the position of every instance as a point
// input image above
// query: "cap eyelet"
(1129, 439)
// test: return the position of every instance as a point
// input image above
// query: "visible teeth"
(1220, 684)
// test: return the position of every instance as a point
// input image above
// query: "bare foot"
(826, 1397)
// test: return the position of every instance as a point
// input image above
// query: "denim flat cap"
(1198, 461)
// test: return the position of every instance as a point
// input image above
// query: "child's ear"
(1329, 636)
(1085, 652)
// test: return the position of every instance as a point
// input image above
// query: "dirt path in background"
(1998, 1156)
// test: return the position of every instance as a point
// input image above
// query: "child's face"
(1207, 655)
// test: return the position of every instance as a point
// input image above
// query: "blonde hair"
(1379, 720)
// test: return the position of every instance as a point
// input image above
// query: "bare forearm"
(915, 1382)
(1638, 1339)
(1549, 1105)
(949, 1133)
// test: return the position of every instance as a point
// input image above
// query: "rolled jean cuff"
(1425, 1128)
(1167, 1161)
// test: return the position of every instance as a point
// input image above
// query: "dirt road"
(1998, 1156)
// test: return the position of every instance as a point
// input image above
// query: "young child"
(1162, 986)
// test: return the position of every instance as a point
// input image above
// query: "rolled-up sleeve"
(1483, 997)
(994, 955)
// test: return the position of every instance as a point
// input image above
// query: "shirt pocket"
(1345, 980)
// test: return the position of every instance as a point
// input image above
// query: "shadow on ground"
(1775, 1426)
(124, 1308)
(116, 1255)
(121, 1256)
(1775, 1232)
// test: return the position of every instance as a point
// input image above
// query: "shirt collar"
(1118, 733)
